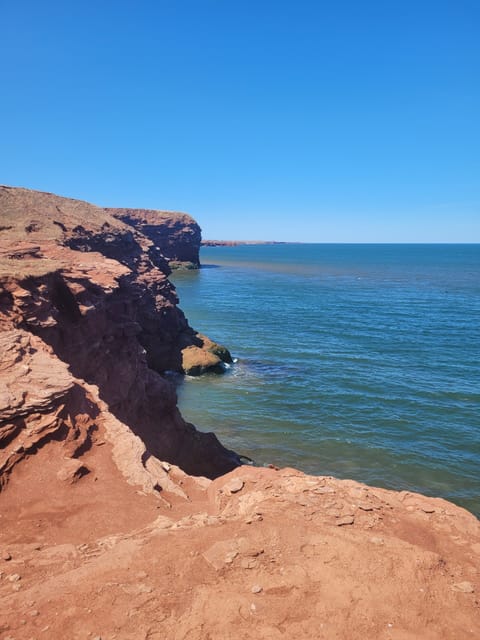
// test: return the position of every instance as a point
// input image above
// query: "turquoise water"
(358, 361)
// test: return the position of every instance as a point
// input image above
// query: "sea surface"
(357, 361)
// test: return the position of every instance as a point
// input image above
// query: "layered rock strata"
(177, 235)
(94, 294)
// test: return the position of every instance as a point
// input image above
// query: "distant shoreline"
(235, 243)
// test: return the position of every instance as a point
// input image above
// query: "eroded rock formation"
(177, 235)
(94, 294)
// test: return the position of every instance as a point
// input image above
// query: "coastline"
(346, 366)
(237, 243)
(110, 527)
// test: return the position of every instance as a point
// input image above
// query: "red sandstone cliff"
(94, 293)
(177, 235)
(104, 535)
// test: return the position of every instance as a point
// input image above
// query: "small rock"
(464, 587)
(235, 485)
(365, 507)
(323, 490)
(230, 557)
(72, 470)
(343, 520)
(14, 577)
(34, 613)
(6, 556)
(248, 563)
(257, 588)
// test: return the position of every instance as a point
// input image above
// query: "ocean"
(358, 361)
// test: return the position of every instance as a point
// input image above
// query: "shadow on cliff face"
(104, 341)
(95, 289)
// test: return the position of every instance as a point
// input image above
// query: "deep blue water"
(358, 361)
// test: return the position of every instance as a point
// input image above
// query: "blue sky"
(345, 121)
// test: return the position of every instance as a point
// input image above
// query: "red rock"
(101, 307)
(175, 234)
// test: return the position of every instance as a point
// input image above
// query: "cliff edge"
(177, 235)
(120, 521)
(93, 293)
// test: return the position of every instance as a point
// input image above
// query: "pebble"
(248, 563)
(14, 577)
(235, 485)
(257, 588)
(343, 520)
(230, 557)
(365, 507)
(34, 613)
(464, 587)
(6, 556)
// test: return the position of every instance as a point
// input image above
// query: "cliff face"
(103, 534)
(177, 235)
(94, 293)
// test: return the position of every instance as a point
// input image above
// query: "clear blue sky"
(304, 120)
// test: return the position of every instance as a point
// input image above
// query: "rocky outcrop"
(94, 292)
(176, 235)
(257, 553)
(204, 356)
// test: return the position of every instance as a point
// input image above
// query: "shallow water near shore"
(358, 361)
